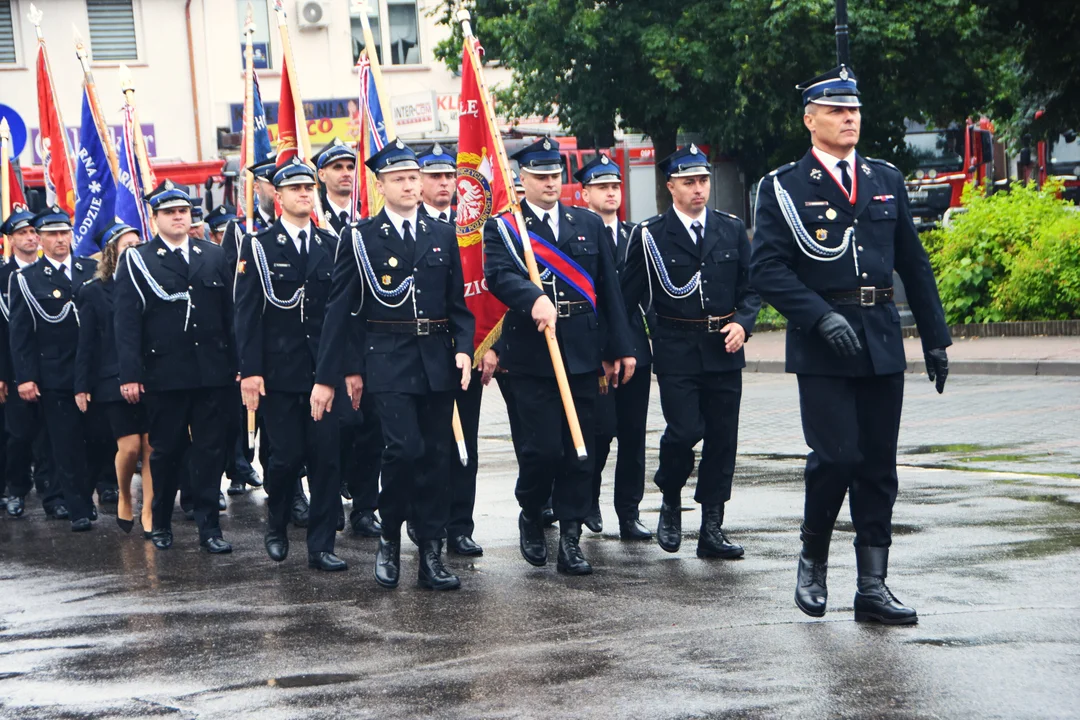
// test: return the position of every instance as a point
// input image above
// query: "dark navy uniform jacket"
(638, 334)
(44, 352)
(97, 367)
(333, 219)
(282, 346)
(724, 261)
(585, 338)
(7, 282)
(152, 343)
(451, 212)
(394, 362)
(883, 239)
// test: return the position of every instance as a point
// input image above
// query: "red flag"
(482, 192)
(59, 180)
(17, 197)
(286, 118)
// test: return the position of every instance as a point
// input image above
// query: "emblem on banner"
(474, 193)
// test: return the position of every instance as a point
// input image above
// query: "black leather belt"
(865, 296)
(419, 327)
(709, 324)
(566, 308)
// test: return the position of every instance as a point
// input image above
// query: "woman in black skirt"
(97, 375)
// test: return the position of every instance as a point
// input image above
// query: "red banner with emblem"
(286, 144)
(481, 193)
(59, 179)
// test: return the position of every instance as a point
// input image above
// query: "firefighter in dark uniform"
(26, 440)
(174, 317)
(830, 231)
(620, 412)
(361, 437)
(44, 338)
(691, 266)
(216, 220)
(401, 273)
(588, 334)
(438, 173)
(282, 283)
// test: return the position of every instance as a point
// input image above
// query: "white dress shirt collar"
(184, 245)
(830, 163)
(398, 222)
(20, 263)
(435, 212)
(64, 267)
(688, 221)
(553, 216)
(294, 233)
(335, 208)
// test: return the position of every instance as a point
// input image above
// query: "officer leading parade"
(204, 362)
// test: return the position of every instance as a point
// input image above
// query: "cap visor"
(54, 227)
(175, 202)
(438, 168)
(543, 169)
(690, 172)
(838, 101)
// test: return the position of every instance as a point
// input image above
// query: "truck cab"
(945, 161)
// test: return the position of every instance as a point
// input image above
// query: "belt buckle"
(713, 324)
(867, 296)
(423, 327)
(559, 308)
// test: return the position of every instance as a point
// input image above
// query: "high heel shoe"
(125, 525)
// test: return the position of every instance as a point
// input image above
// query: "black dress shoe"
(277, 545)
(189, 514)
(365, 524)
(345, 490)
(632, 529)
(594, 520)
(301, 510)
(147, 535)
(125, 525)
(236, 487)
(547, 517)
(532, 542)
(811, 590)
(669, 529)
(432, 574)
(215, 546)
(712, 542)
(571, 560)
(93, 512)
(874, 602)
(340, 518)
(411, 532)
(388, 562)
(326, 561)
(58, 512)
(222, 506)
(81, 525)
(16, 506)
(253, 479)
(162, 539)
(109, 495)
(464, 545)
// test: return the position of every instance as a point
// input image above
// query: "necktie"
(614, 238)
(547, 221)
(302, 237)
(66, 270)
(179, 252)
(343, 217)
(845, 179)
(407, 236)
(698, 235)
(443, 216)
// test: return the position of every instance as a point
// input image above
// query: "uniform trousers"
(419, 438)
(295, 439)
(180, 420)
(548, 465)
(68, 429)
(622, 414)
(28, 446)
(361, 453)
(699, 407)
(851, 425)
(463, 477)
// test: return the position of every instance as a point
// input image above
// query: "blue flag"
(94, 206)
(130, 207)
(262, 135)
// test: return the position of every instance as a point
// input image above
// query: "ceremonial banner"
(59, 185)
(373, 138)
(95, 208)
(286, 146)
(482, 193)
(130, 207)
(262, 134)
(15, 187)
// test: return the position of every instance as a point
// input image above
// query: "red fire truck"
(946, 160)
(1061, 160)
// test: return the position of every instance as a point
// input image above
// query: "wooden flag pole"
(95, 105)
(526, 243)
(35, 17)
(376, 72)
(5, 180)
(249, 151)
(127, 85)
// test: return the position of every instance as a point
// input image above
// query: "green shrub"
(770, 318)
(975, 255)
(1045, 280)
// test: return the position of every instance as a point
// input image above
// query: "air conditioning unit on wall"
(312, 14)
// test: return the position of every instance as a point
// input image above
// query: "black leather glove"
(937, 367)
(838, 332)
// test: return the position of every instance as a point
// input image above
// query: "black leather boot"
(874, 602)
(571, 560)
(432, 574)
(388, 562)
(712, 543)
(532, 541)
(669, 529)
(811, 592)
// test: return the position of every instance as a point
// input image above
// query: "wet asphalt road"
(100, 625)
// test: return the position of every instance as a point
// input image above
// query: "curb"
(1056, 368)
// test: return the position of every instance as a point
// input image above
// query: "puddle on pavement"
(952, 448)
(312, 680)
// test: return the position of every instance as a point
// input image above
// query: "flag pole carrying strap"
(556, 261)
(810, 247)
(154, 286)
(262, 267)
(38, 311)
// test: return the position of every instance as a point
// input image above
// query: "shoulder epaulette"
(879, 161)
(649, 221)
(722, 213)
(782, 169)
(93, 279)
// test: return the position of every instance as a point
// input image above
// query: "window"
(7, 34)
(400, 33)
(260, 39)
(112, 30)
